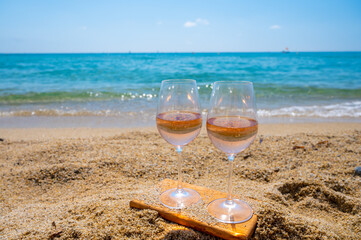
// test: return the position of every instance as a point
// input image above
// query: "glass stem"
(179, 153)
(230, 170)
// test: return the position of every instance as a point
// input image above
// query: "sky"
(86, 26)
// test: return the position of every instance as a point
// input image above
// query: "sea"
(121, 89)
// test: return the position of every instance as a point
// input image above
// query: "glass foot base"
(179, 198)
(230, 211)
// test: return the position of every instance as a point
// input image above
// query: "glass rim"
(239, 82)
(179, 80)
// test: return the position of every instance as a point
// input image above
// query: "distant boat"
(286, 50)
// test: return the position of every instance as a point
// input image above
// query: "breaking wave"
(341, 110)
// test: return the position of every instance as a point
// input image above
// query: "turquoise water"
(320, 85)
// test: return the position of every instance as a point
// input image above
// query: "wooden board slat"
(238, 231)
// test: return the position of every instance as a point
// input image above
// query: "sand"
(77, 183)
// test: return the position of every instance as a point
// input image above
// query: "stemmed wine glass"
(232, 126)
(179, 121)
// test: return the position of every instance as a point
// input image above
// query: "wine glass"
(232, 126)
(179, 121)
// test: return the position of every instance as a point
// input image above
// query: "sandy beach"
(77, 183)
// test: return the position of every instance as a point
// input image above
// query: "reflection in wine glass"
(232, 126)
(179, 121)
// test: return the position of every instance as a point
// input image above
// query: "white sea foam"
(341, 110)
(57, 112)
(347, 109)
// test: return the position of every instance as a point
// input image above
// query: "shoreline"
(138, 121)
(269, 129)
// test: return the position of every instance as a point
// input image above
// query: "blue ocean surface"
(125, 86)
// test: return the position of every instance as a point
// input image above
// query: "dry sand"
(77, 183)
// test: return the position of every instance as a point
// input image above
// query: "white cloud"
(275, 27)
(84, 28)
(190, 24)
(159, 22)
(198, 21)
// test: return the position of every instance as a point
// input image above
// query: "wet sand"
(77, 183)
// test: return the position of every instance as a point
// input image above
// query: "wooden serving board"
(226, 231)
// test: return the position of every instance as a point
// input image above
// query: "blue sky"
(179, 26)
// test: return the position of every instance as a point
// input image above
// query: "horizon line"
(159, 52)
